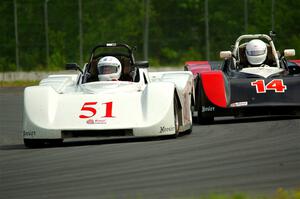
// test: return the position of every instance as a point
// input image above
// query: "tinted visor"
(105, 70)
(256, 52)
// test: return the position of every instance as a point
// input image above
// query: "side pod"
(212, 91)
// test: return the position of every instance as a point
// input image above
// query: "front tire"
(39, 143)
(202, 101)
(205, 119)
(33, 143)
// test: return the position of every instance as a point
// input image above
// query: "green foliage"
(176, 29)
(154, 62)
(57, 59)
(279, 194)
(28, 58)
(169, 54)
(190, 54)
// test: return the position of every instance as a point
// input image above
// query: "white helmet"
(256, 51)
(109, 68)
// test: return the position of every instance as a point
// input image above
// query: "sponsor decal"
(100, 121)
(208, 109)
(29, 133)
(238, 104)
(90, 121)
(96, 121)
(164, 129)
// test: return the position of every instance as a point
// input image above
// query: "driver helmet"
(256, 52)
(109, 68)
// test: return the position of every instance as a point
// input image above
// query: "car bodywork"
(232, 88)
(78, 105)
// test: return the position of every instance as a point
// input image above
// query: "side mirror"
(73, 66)
(289, 52)
(225, 54)
(141, 64)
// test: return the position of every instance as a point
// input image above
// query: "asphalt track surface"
(255, 156)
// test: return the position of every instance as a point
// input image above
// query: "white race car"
(140, 103)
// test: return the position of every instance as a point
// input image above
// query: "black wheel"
(33, 143)
(38, 143)
(189, 131)
(205, 119)
(54, 142)
(195, 119)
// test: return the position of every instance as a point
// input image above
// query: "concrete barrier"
(36, 76)
(24, 76)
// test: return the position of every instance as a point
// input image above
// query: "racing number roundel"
(87, 107)
(276, 85)
(89, 110)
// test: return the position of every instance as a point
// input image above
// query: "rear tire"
(189, 131)
(176, 118)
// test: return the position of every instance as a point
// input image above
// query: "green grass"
(279, 194)
(18, 83)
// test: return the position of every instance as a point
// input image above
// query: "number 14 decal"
(276, 85)
(89, 107)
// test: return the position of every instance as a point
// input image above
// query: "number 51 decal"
(88, 107)
(276, 85)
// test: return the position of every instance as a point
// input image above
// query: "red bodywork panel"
(212, 81)
(297, 61)
(198, 66)
(214, 87)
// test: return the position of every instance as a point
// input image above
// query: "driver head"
(256, 52)
(109, 68)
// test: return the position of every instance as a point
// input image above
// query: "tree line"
(177, 28)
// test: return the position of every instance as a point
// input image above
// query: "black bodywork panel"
(243, 98)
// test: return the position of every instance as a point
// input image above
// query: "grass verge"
(18, 83)
(279, 194)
